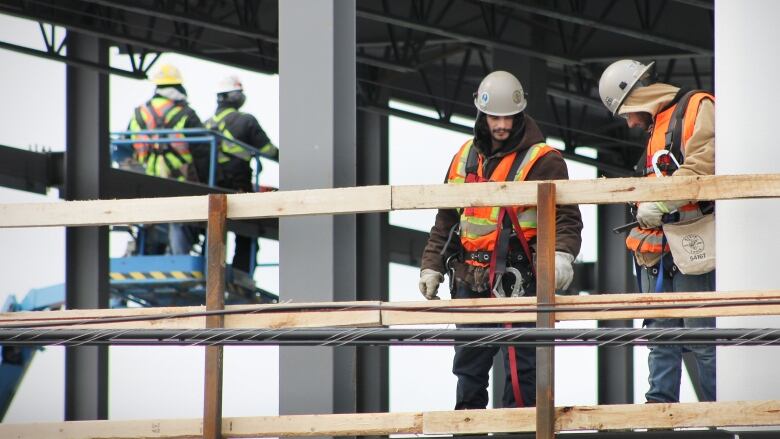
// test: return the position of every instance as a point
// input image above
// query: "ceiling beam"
(483, 41)
(596, 24)
(189, 19)
(704, 4)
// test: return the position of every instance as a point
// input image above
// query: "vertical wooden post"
(215, 300)
(545, 295)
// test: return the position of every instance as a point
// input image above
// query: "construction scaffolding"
(345, 323)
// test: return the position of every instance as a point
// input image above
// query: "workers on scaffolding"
(234, 169)
(674, 242)
(489, 251)
(163, 157)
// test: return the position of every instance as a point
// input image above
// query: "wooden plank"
(263, 426)
(407, 313)
(545, 295)
(598, 191)
(215, 301)
(395, 315)
(104, 212)
(576, 418)
(353, 424)
(334, 317)
(384, 198)
(310, 202)
(187, 209)
(608, 417)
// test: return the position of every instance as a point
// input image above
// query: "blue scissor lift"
(139, 280)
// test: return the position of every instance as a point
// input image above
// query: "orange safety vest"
(160, 159)
(479, 226)
(651, 240)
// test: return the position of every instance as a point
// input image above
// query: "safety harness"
(156, 150)
(507, 221)
(668, 164)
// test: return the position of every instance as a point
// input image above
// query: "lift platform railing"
(122, 149)
(122, 146)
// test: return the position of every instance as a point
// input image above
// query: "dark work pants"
(237, 174)
(472, 364)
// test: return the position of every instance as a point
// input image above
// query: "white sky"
(148, 382)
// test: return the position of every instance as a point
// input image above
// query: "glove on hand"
(649, 215)
(429, 283)
(564, 272)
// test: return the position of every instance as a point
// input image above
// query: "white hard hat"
(619, 79)
(500, 94)
(230, 83)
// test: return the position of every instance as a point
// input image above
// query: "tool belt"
(485, 256)
(519, 279)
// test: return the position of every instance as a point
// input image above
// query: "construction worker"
(233, 162)
(680, 124)
(488, 251)
(167, 109)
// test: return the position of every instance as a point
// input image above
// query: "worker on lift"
(167, 109)
(489, 251)
(234, 169)
(673, 244)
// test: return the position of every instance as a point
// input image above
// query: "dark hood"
(525, 133)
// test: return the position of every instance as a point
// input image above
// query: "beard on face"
(500, 134)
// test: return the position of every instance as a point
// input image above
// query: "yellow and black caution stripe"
(158, 275)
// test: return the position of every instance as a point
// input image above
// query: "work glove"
(651, 214)
(429, 283)
(564, 272)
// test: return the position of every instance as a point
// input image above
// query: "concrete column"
(317, 134)
(86, 248)
(746, 63)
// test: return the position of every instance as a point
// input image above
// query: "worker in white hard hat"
(489, 251)
(234, 162)
(680, 124)
(167, 109)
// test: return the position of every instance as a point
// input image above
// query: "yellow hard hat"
(167, 75)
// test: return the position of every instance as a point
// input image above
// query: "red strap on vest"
(491, 275)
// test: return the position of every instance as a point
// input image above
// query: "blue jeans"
(665, 361)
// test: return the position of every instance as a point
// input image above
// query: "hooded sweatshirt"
(699, 151)
(525, 133)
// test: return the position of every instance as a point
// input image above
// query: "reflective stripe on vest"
(160, 159)
(479, 225)
(227, 150)
(649, 240)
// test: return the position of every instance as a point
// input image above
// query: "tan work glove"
(429, 283)
(650, 215)
(564, 272)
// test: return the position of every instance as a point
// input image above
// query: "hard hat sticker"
(517, 96)
(484, 98)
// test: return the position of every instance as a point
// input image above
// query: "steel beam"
(447, 33)
(317, 254)
(86, 248)
(597, 24)
(233, 29)
(614, 275)
(373, 260)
